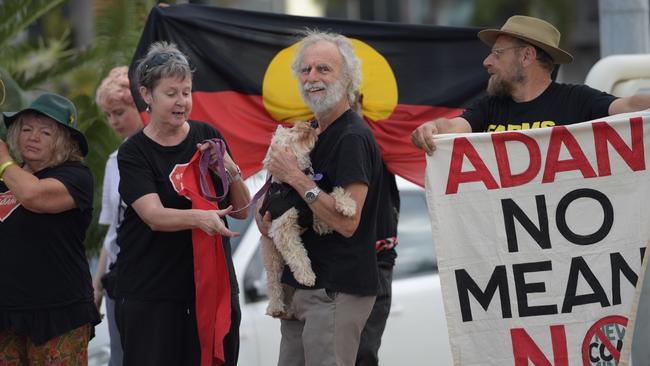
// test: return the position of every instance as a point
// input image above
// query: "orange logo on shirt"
(8, 203)
(176, 177)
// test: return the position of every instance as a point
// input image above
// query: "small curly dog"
(290, 215)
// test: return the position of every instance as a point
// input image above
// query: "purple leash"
(257, 195)
(219, 148)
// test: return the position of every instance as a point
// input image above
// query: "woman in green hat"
(46, 197)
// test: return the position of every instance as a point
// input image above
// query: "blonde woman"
(46, 301)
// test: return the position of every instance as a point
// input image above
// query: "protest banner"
(540, 237)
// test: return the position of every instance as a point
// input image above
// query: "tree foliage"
(34, 60)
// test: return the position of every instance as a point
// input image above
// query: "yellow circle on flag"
(281, 95)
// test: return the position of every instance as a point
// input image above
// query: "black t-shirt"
(155, 265)
(346, 152)
(42, 258)
(559, 104)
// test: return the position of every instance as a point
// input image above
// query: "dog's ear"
(303, 131)
(280, 136)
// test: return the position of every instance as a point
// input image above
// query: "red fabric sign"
(211, 278)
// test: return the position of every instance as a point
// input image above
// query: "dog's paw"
(275, 310)
(320, 227)
(344, 202)
(281, 314)
(288, 315)
(305, 276)
(276, 314)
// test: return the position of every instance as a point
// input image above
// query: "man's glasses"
(497, 52)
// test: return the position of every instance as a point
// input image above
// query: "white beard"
(321, 104)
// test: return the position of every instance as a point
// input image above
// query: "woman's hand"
(160, 218)
(98, 287)
(211, 223)
(98, 295)
(228, 163)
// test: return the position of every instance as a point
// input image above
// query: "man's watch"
(311, 194)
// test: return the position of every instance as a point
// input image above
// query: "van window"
(415, 254)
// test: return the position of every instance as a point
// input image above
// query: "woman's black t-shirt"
(42, 257)
(155, 265)
(45, 283)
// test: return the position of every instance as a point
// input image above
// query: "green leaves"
(16, 15)
(14, 96)
(43, 58)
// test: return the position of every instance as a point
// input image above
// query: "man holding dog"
(522, 95)
(329, 317)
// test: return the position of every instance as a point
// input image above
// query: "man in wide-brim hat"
(522, 36)
(533, 31)
(521, 92)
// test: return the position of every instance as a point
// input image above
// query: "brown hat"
(532, 30)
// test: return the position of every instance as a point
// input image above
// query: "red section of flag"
(228, 87)
(211, 279)
(394, 138)
(248, 128)
(242, 120)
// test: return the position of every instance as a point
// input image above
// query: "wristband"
(4, 167)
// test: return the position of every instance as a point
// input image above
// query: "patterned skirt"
(70, 348)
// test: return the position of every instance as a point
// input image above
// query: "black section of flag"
(231, 49)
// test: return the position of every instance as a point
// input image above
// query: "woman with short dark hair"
(156, 310)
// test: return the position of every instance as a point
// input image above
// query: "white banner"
(540, 236)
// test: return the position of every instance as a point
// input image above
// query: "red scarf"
(211, 278)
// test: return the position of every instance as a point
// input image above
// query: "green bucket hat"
(59, 109)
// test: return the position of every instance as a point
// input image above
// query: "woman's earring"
(148, 109)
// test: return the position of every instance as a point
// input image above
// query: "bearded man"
(329, 316)
(521, 93)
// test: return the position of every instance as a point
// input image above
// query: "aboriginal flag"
(244, 86)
